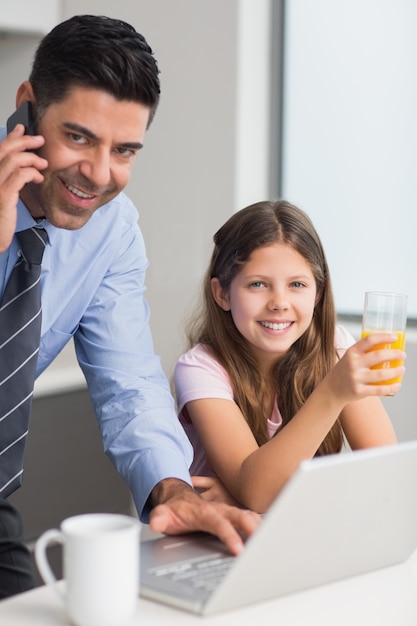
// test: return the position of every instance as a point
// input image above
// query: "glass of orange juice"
(386, 312)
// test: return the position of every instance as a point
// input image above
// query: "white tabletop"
(382, 598)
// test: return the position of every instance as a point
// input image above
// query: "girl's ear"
(219, 294)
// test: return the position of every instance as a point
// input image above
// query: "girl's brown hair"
(296, 374)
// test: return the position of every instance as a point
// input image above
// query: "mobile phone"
(22, 115)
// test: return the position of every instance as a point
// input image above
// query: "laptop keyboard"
(204, 573)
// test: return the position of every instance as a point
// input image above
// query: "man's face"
(91, 140)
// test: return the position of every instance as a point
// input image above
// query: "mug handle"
(50, 536)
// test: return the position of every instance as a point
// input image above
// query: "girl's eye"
(257, 284)
(297, 284)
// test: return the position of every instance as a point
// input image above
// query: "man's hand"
(178, 509)
(17, 168)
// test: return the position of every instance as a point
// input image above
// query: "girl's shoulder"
(199, 356)
(199, 375)
(342, 339)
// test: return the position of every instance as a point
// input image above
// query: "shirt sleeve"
(198, 375)
(343, 340)
(129, 391)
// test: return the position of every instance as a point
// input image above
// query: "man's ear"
(220, 295)
(25, 92)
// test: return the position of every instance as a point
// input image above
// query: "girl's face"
(271, 300)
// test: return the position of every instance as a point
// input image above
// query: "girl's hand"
(213, 490)
(353, 377)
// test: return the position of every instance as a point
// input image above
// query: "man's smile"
(78, 192)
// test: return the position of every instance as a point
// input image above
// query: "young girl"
(270, 379)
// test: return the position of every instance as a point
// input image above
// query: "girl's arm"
(254, 475)
(366, 424)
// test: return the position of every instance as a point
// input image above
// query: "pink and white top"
(199, 376)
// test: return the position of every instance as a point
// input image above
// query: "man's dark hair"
(97, 52)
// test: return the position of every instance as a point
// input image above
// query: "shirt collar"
(25, 220)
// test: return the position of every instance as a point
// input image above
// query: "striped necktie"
(20, 327)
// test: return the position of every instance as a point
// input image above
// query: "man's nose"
(96, 168)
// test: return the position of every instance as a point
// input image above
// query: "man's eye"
(79, 139)
(126, 152)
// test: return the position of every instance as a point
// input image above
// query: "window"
(348, 155)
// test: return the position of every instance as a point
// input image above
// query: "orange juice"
(396, 345)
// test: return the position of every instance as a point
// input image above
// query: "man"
(94, 90)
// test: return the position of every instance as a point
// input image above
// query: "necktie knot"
(32, 242)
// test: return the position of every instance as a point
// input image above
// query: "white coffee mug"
(101, 567)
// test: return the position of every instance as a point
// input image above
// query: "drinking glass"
(386, 312)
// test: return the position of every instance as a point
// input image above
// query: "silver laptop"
(338, 516)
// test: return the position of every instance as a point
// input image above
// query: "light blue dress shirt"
(93, 290)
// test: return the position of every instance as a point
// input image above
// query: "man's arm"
(135, 409)
(177, 508)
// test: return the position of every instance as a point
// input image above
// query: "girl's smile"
(276, 326)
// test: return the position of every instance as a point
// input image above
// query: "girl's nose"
(278, 302)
